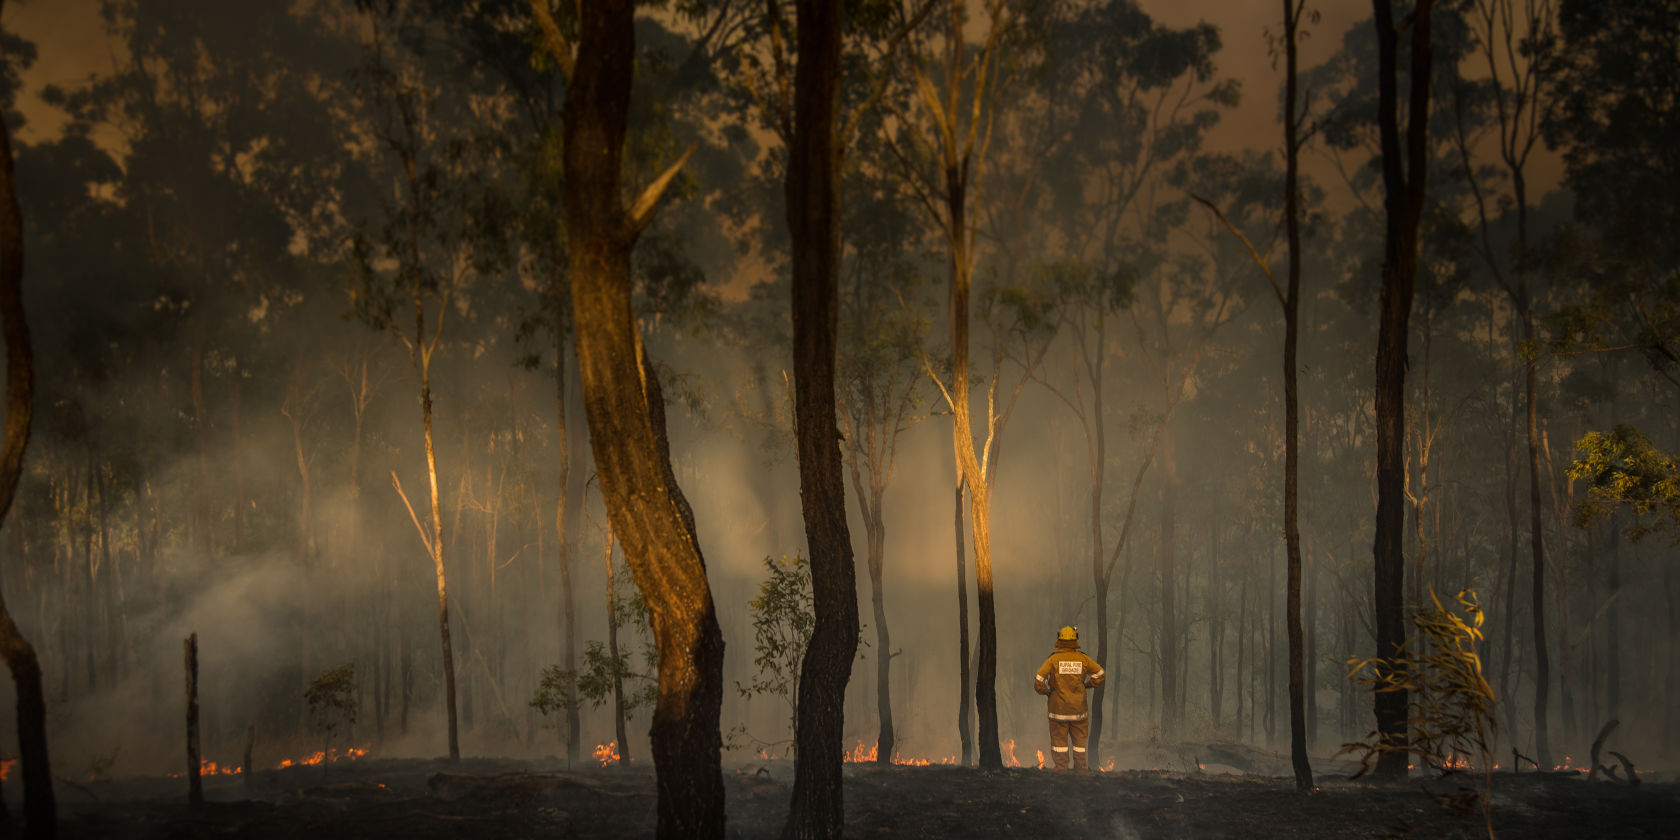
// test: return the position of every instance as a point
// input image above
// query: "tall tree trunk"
(201, 426)
(1537, 548)
(619, 734)
(40, 814)
(626, 414)
(886, 739)
(1613, 633)
(1292, 411)
(1100, 572)
(237, 459)
(813, 205)
(1167, 651)
(1216, 630)
(965, 703)
(1403, 185)
(437, 540)
(563, 539)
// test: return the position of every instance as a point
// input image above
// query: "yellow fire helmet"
(1068, 634)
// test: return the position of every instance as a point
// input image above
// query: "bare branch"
(552, 38)
(642, 211)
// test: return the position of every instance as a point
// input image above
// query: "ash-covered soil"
(487, 798)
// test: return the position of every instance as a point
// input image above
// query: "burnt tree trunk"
(1403, 185)
(875, 525)
(1292, 411)
(626, 414)
(813, 204)
(195, 781)
(40, 813)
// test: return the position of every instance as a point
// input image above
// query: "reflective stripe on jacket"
(1063, 678)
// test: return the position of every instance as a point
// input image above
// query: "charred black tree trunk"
(813, 204)
(1403, 185)
(1292, 411)
(40, 813)
(627, 428)
(195, 780)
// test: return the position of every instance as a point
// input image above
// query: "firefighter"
(1063, 678)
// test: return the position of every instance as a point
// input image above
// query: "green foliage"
(1451, 706)
(332, 698)
(1624, 469)
(784, 614)
(559, 689)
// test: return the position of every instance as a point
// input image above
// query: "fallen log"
(1632, 777)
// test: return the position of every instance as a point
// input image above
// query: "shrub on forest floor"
(1450, 722)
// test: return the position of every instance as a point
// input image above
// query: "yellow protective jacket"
(1064, 677)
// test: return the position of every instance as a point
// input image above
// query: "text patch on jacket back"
(1070, 667)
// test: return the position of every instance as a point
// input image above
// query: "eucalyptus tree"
(1403, 191)
(626, 413)
(943, 151)
(809, 118)
(417, 258)
(40, 812)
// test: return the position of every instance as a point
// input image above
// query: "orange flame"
(324, 757)
(1040, 758)
(1108, 766)
(606, 753)
(206, 767)
(6, 768)
(859, 755)
(1009, 747)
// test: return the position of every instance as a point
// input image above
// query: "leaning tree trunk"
(813, 205)
(626, 414)
(40, 814)
(1403, 205)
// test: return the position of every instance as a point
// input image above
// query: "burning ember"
(326, 757)
(606, 753)
(211, 768)
(6, 768)
(859, 755)
(207, 767)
